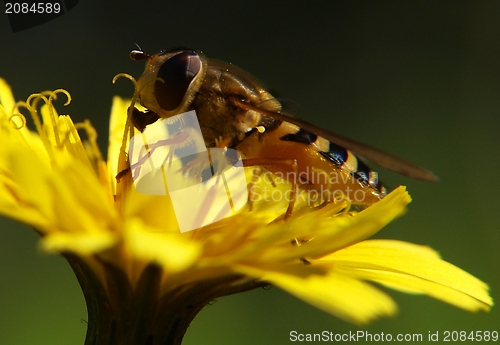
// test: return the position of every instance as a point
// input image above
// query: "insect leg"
(249, 162)
(256, 171)
(141, 119)
(147, 151)
(296, 242)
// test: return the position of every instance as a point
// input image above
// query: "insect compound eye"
(177, 73)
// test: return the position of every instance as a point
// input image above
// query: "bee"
(233, 108)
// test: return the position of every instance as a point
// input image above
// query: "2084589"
(32, 7)
(461, 336)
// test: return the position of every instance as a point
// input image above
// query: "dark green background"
(420, 79)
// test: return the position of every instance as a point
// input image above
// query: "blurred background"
(420, 79)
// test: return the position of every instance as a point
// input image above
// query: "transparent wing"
(374, 155)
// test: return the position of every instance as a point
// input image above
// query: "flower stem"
(121, 315)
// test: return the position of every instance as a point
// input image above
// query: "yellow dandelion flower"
(144, 280)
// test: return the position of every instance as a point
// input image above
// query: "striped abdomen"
(323, 166)
(340, 157)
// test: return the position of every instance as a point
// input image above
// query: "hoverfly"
(234, 109)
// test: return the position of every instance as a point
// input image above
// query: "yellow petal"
(64, 197)
(338, 294)
(412, 268)
(330, 233)
(70, 140)
(368, 222)
(23, 183)
(116, 129)
(174, 252)
(6, 96)
(79, 243)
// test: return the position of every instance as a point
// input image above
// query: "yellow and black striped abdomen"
(322, 166)
(340, 157)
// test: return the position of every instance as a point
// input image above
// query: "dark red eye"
(177, 73)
